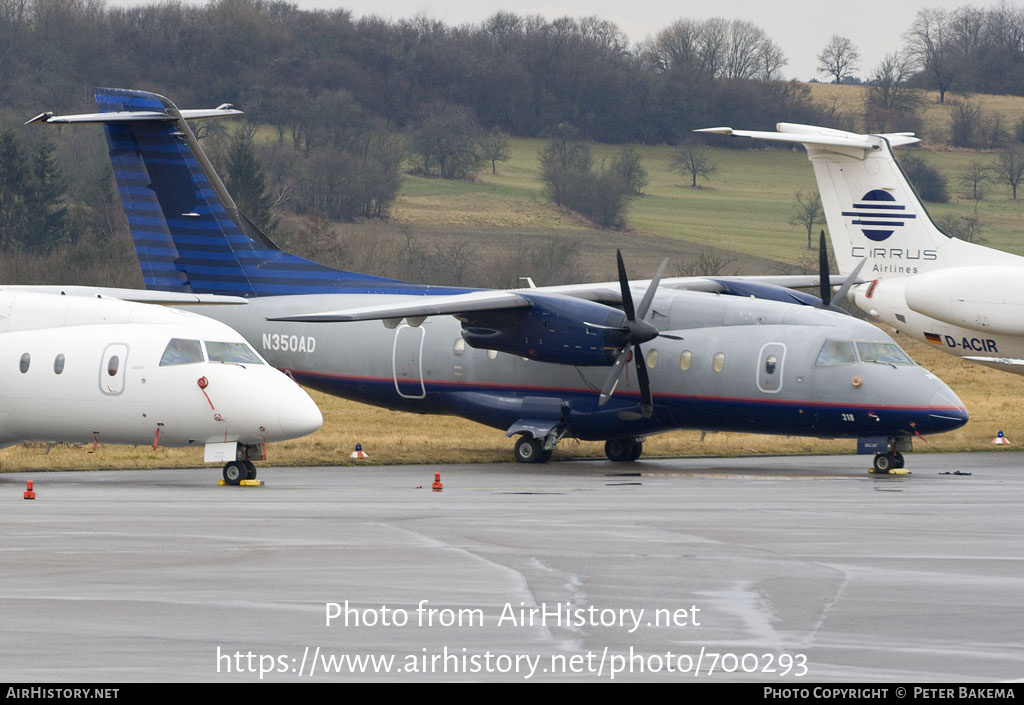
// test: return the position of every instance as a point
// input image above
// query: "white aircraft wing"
(994, 360)
(608, 292)
(423, 306)
(496, 300)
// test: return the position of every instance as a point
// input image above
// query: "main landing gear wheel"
(235, 472)
(887, 462)
(250, 473)
(623, 450)
(530, 450)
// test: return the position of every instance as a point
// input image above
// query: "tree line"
(294, 68)
(350, 103)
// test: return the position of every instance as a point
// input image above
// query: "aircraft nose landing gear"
(235, 472)
(238, 470)
(241, 470)
(887, 462)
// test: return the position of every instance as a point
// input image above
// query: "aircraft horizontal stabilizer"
(132, 116)
(811, 136)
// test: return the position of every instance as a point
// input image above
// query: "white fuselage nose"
(80, 370)
(253, 403)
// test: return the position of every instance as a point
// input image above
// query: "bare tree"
(889, 89)
(630, 169)
(966, 117)
(694, 160)
(494, 148)
(446, 140)
(709, 262)
(891, 102)
(974, 179)
(714, 48)
(808, 213)
(744, 43)
(771, 60)
(963, 227)
(675, 45)
(929, 43)
(838, 58)
(1010, 167)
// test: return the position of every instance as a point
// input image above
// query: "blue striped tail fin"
(188, 233)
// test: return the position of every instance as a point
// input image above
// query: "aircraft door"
(113, 365)
(407, 361)
(769, 367)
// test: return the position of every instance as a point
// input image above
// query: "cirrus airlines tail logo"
(878, 215)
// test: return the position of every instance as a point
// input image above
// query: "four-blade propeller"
(635, 330)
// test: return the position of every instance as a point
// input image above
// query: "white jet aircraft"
(960, 296)
(100, 370)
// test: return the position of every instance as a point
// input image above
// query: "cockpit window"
(888, 353)
(181, 351)
(232, 352)
(836, 352)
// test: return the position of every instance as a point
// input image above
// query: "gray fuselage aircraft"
(541, 363)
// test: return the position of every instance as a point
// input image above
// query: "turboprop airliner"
(962, 297)
(544, 364)
(98, 370)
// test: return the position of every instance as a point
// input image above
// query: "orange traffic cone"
(29, 492)
(438, 485)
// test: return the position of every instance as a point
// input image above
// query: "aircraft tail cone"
(358, 453)
(29, 492)
(1000, 440)
(437, 486)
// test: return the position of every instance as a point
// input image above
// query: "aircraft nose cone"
(946, 411)
(300, 416)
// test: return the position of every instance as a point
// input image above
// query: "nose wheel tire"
(887, 462)
(235, 472)
(530, 450)
(250, 469)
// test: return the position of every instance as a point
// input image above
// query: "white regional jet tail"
(873, 212)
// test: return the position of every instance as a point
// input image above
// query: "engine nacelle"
(986, 299)
(553, 329)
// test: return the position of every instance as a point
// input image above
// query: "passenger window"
(836, 352)
(652, 359)
(718, 364)
(58, 364)
(685, 359)
(232, 352)
(112, 364)
(181, 351)
(26, 360)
